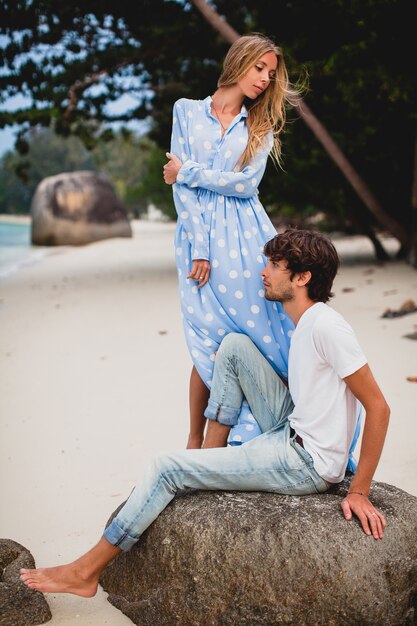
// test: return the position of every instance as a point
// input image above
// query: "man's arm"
(364, 387)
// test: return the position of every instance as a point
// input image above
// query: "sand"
(94, 382)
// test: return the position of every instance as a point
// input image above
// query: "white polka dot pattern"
(221, 219)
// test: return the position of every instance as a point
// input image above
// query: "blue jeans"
(273, 461)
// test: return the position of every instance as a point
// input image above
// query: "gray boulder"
(76, 208)
(19, 605)
(261, 559)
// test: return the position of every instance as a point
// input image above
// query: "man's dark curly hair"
(307, 251)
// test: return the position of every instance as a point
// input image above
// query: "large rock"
(19, 605)
(252, 559)
(77, 208)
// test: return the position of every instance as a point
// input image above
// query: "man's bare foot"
(61, 579)
(79, 577)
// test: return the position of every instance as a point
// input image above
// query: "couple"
(219, 150)
(307, 427)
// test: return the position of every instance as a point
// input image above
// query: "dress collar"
(207, 101)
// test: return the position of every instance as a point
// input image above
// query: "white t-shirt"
(324, 350)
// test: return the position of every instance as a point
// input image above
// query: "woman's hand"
(200, 272)
(171, 168)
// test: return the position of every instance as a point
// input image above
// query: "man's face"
(277, 284)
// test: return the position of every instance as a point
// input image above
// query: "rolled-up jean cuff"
(220, 413)
(119, 537)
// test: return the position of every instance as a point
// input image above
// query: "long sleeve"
(186, 201)
(243, 184)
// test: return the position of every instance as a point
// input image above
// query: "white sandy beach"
(94, 382)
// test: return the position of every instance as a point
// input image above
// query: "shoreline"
(11, 219)
(19, 253)
(95, 377)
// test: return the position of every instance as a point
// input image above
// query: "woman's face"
(259, 76)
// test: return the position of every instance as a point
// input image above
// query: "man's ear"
(303, 278)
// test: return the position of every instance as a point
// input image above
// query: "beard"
(286, 294)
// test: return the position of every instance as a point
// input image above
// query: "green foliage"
(357, 55)
(133, 165)
(152, 189)
(125, 160)
(14, 195)
(362, 87)
(54, 46)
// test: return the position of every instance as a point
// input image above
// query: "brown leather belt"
(297, 437)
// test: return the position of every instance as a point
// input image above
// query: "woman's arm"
(243, 184)
(185, 199)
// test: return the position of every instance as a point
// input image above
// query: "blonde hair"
(268, 111)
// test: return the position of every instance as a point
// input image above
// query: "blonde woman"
(219, 149)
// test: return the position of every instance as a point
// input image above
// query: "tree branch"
(83, 84)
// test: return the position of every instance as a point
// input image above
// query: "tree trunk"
(357, 182)
(359, 185)
(412, 253)
(362, 225)
(216, 21)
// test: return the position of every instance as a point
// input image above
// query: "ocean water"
(16, 250)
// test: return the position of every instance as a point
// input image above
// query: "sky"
(7, 138)
(7, 135)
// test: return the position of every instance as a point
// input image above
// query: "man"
(307, 429)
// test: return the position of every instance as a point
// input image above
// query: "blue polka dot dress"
(220, 219)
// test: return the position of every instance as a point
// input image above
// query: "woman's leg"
(79, 577)
(199, 395)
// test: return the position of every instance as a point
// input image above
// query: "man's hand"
(200, 272)
(171, 168)
(373, 522)
(363, 386)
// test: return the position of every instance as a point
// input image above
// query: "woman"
(219, 151)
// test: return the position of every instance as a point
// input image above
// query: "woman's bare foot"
(61, 579)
